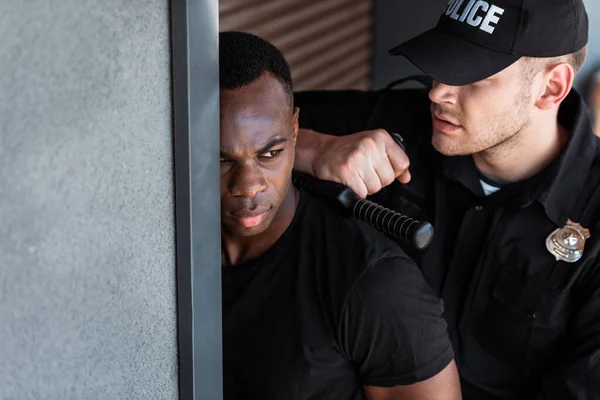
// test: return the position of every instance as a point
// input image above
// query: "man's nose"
(441, 93)
(248, 181)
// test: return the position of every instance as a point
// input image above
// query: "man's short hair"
(532, 65)
(244, 57)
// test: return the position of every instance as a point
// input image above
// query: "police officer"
(504, 163)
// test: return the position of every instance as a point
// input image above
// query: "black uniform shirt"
(523, 325)
(332, 306)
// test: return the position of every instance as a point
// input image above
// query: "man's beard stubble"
(496, 134)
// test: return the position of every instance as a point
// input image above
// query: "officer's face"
(480, 116)
(258, 135)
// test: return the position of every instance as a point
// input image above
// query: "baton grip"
(410, 230)
(418, 234)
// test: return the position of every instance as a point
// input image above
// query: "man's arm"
(338, 140)
(393, 331)
(440, 386)
(365, 161)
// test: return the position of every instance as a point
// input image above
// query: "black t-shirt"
(524, 324)
(332, 306)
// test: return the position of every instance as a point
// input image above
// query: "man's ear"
(295, 123)
(558, 83)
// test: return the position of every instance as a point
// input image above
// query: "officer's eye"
(271, 154)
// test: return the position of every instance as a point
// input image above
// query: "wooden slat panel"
(327, 43)
(234, 6)
(331, 60)
(322, 42)
(352, 75)
(324, 25)
(337, 76)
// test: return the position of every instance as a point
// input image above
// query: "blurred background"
(343, 44)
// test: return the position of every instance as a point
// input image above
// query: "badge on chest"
(567, 243)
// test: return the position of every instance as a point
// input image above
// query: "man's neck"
(524, 155)
(237, 250)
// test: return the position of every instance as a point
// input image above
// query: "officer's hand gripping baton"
(417, 233)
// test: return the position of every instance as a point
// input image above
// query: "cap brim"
(451, 60)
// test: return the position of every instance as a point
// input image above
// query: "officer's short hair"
(532, 65)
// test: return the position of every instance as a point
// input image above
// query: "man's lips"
(444, 124)
(251, 218)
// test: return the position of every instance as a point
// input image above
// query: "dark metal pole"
(194, 32)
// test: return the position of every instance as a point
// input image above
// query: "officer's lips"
(251, 218)
(445, 124)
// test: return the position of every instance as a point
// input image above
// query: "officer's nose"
(247, 181)
(441, 93)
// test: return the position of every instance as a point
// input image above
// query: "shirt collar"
(557, 186)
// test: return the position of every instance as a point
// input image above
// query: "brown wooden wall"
(327, 43)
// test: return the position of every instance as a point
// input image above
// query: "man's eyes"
(270, 154)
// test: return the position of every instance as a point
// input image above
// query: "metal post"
(194, 31)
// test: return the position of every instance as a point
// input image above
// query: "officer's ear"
(295, 123)
(558, 81)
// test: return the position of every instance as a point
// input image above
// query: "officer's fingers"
(384, 170)
(404, 177)
(375, 148)
(371, 160)
(347, 173)
(371, 179)
(381, 147)
(356, 183)
(398, 159)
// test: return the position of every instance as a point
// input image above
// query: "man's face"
(258, 135)
(480, 116)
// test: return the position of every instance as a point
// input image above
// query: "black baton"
(409, 230)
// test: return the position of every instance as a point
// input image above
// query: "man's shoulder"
(341, 228)
(377, 301)
(350, 246)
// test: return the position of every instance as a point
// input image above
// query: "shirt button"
(531, 316)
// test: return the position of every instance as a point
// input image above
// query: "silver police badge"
(566, 244)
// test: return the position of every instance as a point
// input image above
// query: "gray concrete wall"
(87, 274)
